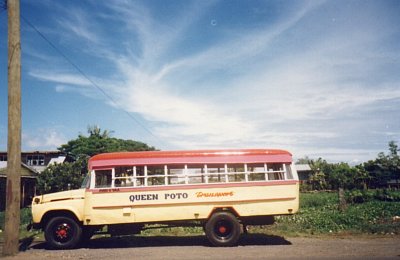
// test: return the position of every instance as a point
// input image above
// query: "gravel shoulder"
(252, 246)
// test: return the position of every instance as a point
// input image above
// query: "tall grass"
(25, 217)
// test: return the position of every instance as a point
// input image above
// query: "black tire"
(223, 229)
(62, 233)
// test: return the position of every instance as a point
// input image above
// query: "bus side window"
(275, 171)
(155, 175)
(256, 172)
(216, 173)
(236, 173)
(289, 173)
(195, 174)
(176, 174)
(123, 177)
(140, 178)
(103, 178)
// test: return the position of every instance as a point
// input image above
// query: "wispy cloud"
(64, 78)
(78, 24)
(151, 93)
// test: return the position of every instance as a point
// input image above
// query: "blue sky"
(318, 78)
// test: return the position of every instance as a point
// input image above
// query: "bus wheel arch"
(57, 213)
(223, 229)
(224, 209)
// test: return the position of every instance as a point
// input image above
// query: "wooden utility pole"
(12, 218)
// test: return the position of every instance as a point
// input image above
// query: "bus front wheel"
(62, 233)
(223, 229)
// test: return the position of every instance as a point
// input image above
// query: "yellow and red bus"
(221, 190)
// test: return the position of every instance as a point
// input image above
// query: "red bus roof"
(190, 157)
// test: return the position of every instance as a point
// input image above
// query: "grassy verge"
(25, 219)
(319, 214)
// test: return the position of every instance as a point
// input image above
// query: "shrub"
(25, 217)
(387, 195)
(318, 199)
(361, 196)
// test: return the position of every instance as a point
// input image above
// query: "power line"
(87, 77)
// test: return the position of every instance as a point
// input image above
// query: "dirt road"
(252, 246)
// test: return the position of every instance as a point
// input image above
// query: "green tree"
(342, 176)
(385, 167)
(100, 141)
(304, 160)
(374, 171)
(362, 177)
(393, 161)
(59, 177)
(319, 170)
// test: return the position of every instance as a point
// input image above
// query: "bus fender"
(226, 209)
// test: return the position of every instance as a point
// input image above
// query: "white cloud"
(43, 139)
(69, 82)
(352, 155)
(313, 83)
(64, 78)
(188, 116)
(156, 37)
(151, 92)
(236, 48)
(77, 22)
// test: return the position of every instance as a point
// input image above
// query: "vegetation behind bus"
(384, 171)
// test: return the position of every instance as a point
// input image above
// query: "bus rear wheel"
(223, 229)
(62, 233)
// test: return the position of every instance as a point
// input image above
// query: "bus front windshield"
(86, 182)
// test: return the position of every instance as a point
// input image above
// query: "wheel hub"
(62, 231)
(222, 229)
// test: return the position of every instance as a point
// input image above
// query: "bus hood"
(59, 196)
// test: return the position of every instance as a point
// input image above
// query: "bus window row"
(137, 176)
